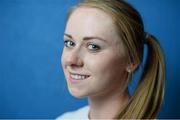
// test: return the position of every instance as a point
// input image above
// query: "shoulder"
(81, 113)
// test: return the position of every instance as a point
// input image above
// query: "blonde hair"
(148, 97)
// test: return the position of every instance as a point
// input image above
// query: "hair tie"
(146, 35)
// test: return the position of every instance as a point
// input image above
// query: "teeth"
(78, 77)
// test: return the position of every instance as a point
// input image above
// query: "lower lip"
(72, 80)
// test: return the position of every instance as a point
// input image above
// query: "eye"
(93, 47)
(69, 44)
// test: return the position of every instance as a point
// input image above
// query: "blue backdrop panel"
(32, 83)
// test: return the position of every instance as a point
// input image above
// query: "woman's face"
(93, 58)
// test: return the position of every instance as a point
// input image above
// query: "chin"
(77, 94)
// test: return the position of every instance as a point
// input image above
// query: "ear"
(131, 67)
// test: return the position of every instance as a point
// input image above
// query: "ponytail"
(148, 97)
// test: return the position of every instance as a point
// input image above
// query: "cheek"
(63, 58)
(105, 65)
(63, 63)
(108, 72)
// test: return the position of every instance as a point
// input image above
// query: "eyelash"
(91, 46)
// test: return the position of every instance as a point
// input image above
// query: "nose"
(73, 58)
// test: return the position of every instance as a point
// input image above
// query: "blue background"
(32, 83)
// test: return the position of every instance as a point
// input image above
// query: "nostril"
(78, 64)
(72, 58)
(74, 62)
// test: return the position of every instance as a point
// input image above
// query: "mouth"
(76, 78)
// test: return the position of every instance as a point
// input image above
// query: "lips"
(78, 76)
(75, 77)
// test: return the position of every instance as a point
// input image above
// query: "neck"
(107, 107)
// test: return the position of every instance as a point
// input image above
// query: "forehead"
(91, 14)
(90, 21)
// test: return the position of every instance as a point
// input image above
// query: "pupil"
(71, 43)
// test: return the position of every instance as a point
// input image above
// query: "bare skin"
(95, 62)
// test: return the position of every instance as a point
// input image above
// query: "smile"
(78, 76)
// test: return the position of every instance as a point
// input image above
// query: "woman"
(104, 41)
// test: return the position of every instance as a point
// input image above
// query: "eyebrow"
(86, 38)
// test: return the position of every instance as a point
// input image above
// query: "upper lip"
(74, 73)
(70, 71)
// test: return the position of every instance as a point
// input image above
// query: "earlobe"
(128, 69)
(131, 67)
